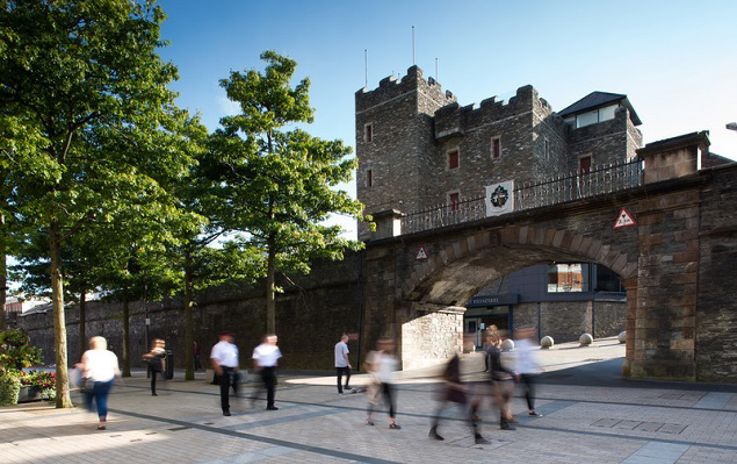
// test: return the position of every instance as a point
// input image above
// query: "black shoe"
(534, 413)
(154, 394)
(226, 413)
(479, 440)
(434, 435)
(507, 426)
(272, 408)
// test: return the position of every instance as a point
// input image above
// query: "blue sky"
(675, 60)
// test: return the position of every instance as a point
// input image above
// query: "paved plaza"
(590, 415)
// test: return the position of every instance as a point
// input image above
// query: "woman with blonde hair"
(99, 369)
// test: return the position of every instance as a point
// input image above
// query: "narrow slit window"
(368, 133)
(369, 178)
(496, 147)
(454, 200)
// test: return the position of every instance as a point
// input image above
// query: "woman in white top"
(100, 366)
(382, 363)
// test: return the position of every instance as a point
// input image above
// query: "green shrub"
(9, 388)
(16, 351)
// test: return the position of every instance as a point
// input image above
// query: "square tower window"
(584, 164)
(368, 132)
(454, 158)
(454, 200)
(496, 147)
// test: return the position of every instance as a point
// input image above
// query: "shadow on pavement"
(608, 373)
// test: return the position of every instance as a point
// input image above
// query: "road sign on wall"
(624, 219)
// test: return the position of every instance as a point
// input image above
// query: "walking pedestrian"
(156, 360)
(342, 363)
(265, 358)
(527, 365)
(224, 359)
(383, 363)
(99, 368)
(454, 391)
(502, 379)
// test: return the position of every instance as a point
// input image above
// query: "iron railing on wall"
(576, 186)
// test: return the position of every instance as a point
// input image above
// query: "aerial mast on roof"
(413, 46)
(365, 67)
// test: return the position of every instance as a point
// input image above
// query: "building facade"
(419, 149)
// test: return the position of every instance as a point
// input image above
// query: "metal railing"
(575, 186)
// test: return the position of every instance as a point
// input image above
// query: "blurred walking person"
(156, 360)
(224, 360)
(454, 391)
(527, 365)
(99, 368)
(383, 363)
(265, 359)
(342, 363)
(502, 379)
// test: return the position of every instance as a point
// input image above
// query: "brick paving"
(616, 422)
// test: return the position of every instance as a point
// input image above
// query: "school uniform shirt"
(266, 355)
(225, 354)
(341, 354)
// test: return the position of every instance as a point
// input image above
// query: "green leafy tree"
(277, 186)
(84, 80)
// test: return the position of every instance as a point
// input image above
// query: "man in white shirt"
(265, 358)
(224, 359)
(527, 365)
(342, 364)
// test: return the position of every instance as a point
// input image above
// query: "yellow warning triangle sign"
(624, 219)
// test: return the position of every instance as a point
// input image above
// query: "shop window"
(565, 278)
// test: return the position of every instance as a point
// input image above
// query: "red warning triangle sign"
(624, 219)
(421, 253)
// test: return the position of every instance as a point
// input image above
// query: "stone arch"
(559, 242)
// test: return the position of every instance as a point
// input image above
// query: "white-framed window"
(368, 132)
(454, 200)
(564, 278)
(592, 117)
(454, 158)
(496, 147)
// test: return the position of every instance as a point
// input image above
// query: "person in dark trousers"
(156, 359)
(502, 379)
(342, 364)
(454, 391)
(224, 359)
(265, 358)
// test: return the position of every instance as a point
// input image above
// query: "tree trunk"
(270, 304)
(188, 329)
(82, 322)
(63, 400)
(3, 273)
(126, 336)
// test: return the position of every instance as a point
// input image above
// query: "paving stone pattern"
(633, 425)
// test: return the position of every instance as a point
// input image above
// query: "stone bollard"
(585, 339)
(508, 344)
(622, 337)
(547, 342)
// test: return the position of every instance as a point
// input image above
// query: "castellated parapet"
(418, 148)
